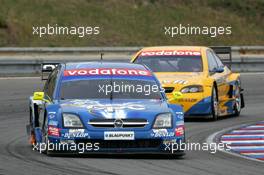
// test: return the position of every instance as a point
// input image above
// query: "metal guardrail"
(27, 60)
(103, 49)
(68, 49)
(107, 49)
(248, 48)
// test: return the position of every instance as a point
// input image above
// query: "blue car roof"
(87, 65)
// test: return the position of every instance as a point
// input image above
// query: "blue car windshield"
(109, 89)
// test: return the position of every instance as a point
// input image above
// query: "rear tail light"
(179, 131)
(53, 131)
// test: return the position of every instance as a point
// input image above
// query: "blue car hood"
(116, 108)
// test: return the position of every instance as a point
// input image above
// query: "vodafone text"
(171, 53)
(106, 71)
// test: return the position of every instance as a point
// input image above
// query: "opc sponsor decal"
(76, 133)
(53, 123)
(106, 71)
(115, 135)
(180, 123)
(171, 53)
(52, 115)
(180, 116)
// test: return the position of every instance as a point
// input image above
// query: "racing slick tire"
(47, 151)
(214, 104)
(181, 154)
(46, 143)
(238, 100)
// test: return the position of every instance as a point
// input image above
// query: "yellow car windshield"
(172, 63)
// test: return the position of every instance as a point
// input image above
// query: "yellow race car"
(195, 78)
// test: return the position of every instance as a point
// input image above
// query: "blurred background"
(130, 22)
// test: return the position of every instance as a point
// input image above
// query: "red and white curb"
(246, 141)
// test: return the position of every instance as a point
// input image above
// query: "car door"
(48, 90)
(219, 77)
(226, 87)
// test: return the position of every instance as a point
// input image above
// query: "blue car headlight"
(71, 121)
(163, 121)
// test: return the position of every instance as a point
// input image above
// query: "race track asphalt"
(17, 157)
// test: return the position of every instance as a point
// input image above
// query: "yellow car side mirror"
(38, 96)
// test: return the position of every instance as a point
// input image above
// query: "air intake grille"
(119, 144)
(169, 89)
(121, 123)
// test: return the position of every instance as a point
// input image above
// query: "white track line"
(243, 141)
(246, 147)
(238, 136)
(253, 154)
(247, 131)
(255, 126)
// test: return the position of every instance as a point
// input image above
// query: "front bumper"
(203, 107)
(144, 143)
(194, 104)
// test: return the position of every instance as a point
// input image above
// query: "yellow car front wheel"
(214, 104)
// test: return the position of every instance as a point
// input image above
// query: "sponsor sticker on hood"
(162, 133)
(76, 133)
(119, 135)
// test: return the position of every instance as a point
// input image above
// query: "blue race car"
(100, 107)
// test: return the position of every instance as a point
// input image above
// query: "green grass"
(131, 22)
